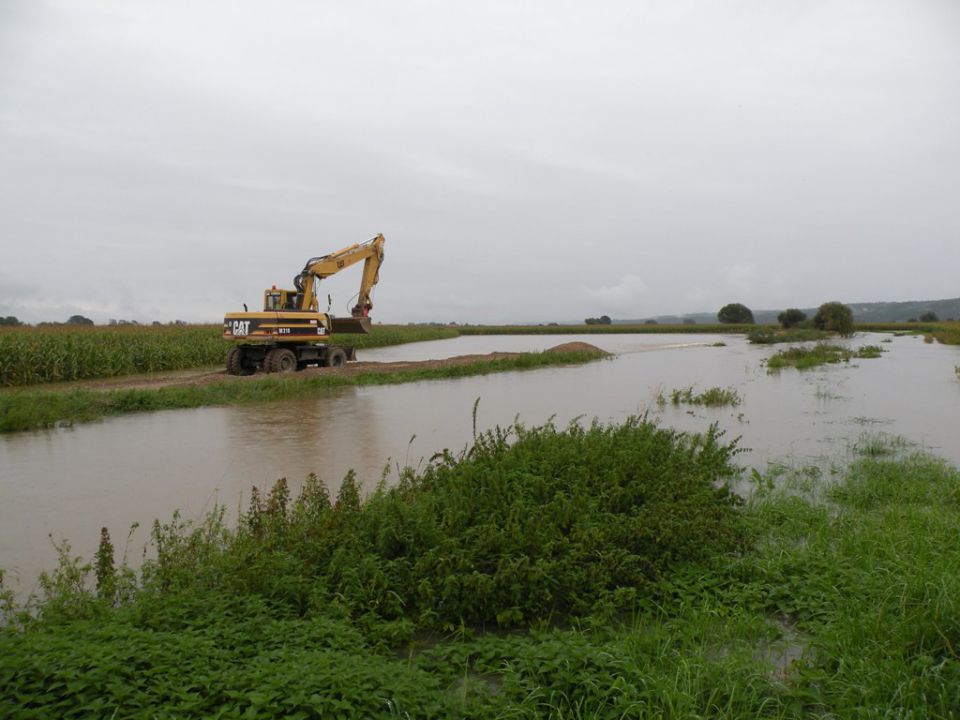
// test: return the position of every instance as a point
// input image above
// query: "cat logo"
(241, 327)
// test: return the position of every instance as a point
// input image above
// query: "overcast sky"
(526, 161)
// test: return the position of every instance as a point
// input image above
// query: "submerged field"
(30, 356)
(604, 572)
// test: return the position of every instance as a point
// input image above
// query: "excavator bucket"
(356, 325)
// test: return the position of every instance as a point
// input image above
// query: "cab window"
(272, 301)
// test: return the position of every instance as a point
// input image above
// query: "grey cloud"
(523, 161)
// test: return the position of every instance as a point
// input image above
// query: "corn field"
(33, 355)
(49, 354)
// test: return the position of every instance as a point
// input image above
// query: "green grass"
(946, 334)
(34, 355)
(711, 397)
(31, 409)
(804, 358)
(551, 573)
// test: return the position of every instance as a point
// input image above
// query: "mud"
(207, 376)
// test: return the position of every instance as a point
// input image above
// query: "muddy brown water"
(67, 483)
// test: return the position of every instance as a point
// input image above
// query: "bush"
(835, 317)
(735, 313)
(529, 525)
(791, 318)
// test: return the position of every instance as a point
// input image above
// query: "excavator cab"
(274, 300)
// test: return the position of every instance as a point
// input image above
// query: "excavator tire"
(280, 360)
(336, 357)
(235, 362)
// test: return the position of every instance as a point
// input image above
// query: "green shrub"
(735, 313)
(834, 317)
(791, 318)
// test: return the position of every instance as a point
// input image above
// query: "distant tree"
(10, 320)
(591, 321)
(689, 321)
(79, 320)
(791, 317)
(735, 313)
(929, 316)
(605, 320)
(836, 317)
(650, 322)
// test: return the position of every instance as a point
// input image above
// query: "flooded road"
(69, 482)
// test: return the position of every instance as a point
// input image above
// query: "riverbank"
(51, 406)
(543, 573)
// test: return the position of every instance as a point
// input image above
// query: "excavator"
(290, 332)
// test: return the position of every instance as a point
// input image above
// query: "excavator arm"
(318, 268)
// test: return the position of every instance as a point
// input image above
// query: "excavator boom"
(318, 268)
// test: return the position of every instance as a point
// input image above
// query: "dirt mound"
(577, 347)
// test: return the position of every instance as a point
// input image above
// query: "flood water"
(67, 483)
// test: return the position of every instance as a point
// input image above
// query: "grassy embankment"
(29, 356)
(30, 409)
(558, 575)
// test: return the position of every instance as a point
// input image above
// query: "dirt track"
(196, 378)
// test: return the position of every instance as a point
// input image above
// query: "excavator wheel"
(235, 362)
(336, 357)
(280, 360)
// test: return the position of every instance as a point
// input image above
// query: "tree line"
(831, 316)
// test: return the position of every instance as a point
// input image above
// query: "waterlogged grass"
(825, 595)
(771, 336)
(33, 355)
(804, 358)
(28, 409)
(711, 397)
(865, 569)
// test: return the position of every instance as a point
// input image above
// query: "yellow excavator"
(290, 332)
